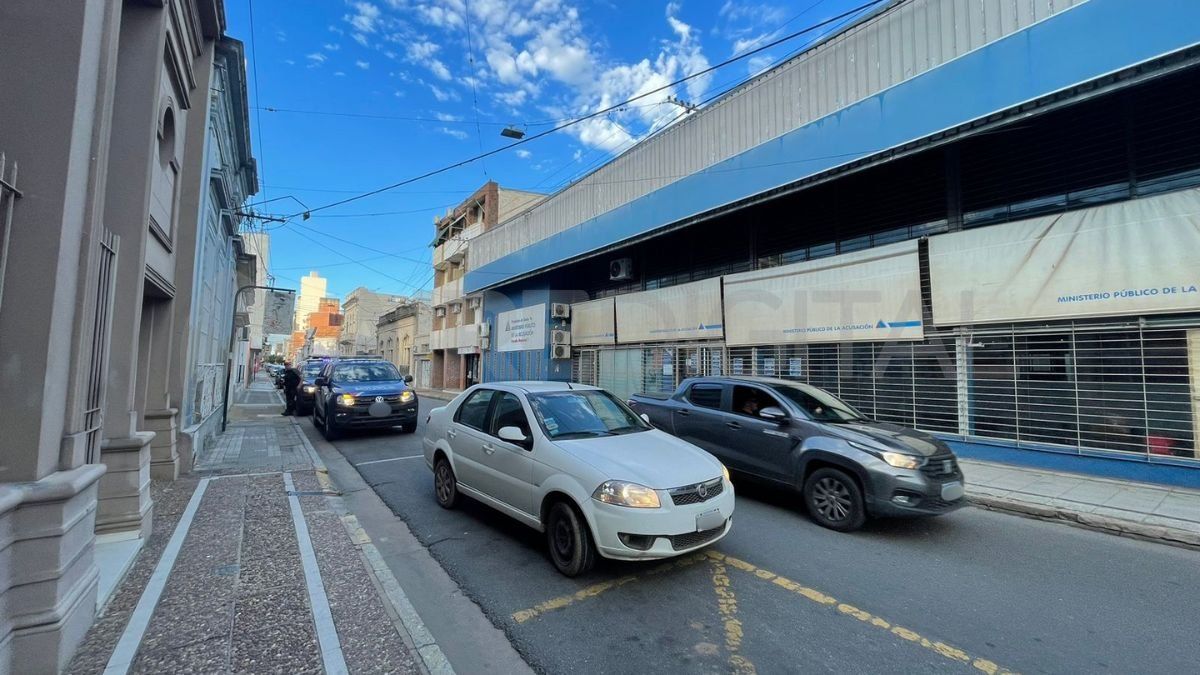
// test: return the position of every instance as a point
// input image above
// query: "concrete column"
(124, 492)
(54, 117)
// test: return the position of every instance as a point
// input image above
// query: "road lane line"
(727, 606)
(327, 637)
(389, 459)
(126, 650)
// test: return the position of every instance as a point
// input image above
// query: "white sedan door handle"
(489, 448)
(450, 433)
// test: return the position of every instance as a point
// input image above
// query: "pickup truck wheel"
(445, 485)
(569, 540)
(327, 429)
(834, 500)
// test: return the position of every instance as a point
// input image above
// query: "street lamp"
(233, 339)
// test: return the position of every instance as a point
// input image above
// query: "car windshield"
(311, 369)
(365, 372)
(820, 405)
(584, 413)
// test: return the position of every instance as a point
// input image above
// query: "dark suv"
(306, 394)
(363, 393)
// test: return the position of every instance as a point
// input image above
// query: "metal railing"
(9, 194)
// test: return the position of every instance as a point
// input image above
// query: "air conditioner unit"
(560, 337)
(560, 310)
(485, 329)
(485, 343)
(560, 351)
(456, 308)
(620, 269)
(475, 303)
(440, 312)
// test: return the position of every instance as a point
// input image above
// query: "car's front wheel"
(445, 485)
(570, 542)
(834, 500)
(329, 431)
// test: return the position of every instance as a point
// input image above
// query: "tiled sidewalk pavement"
(238, 598)
(1166, 514)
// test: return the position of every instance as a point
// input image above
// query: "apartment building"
(361, 310)
(458, 336)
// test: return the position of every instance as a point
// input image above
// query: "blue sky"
(366, 93)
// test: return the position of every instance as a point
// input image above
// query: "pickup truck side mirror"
(774, 414)
(408, 379)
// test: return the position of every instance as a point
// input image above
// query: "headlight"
(309, 389)
(345, 400)
(725, 471)
(406, 396)
(902, 461)
(627, 494)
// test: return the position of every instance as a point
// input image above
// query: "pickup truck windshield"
(365, 372)
(820, 405)
(582, 414)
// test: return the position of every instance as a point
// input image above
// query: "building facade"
(361, 311)
(313, 288)
(455, 338)
(986, 230)
(258, 244)
(401, 332)
(103, 128)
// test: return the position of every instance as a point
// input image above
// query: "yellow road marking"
(727, 606)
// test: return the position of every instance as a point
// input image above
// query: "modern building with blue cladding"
(980, 225)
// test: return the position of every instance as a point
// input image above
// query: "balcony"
(440, 339)
(448, 292)
(449, 251)
(467, 336)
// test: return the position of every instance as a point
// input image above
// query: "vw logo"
(379, 399)
(702, 490)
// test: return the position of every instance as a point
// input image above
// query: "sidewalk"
(254, 566)
(1166, 514)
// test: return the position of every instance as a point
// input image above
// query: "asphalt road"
(972, 591)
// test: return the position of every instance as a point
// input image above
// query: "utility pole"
(233, 341)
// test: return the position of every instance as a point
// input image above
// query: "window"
(820, 405)
(705, 395)
(750, 400)
(365, 372)
(509, 413)
(473, 411)
(584, 413)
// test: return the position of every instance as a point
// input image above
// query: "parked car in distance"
(307, 393)
(847, 466)
(576, 463)
(363, 393)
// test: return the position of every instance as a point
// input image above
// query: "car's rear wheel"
(834, 500)
(570, 542)
(445, 485)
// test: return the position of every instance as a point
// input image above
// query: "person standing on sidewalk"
(291, 381)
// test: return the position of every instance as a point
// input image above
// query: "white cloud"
(336, 29)
(524, 154)
(365, 17)
(361, 39)
(281, 35)
(332, 46)
(363, 64)
(316, 59)
(758, 63)
(339, 74)
(443, 95)
(454, 133)
(440, 70)
(290, 62)
(447, 117)
(513, 99)
(421, 49)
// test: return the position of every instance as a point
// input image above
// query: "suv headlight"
(621, 493)
(309, 389)
(902, 461)
(406, 396)
(725, 472)
(346, 400)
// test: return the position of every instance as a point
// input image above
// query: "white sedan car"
(576, 463)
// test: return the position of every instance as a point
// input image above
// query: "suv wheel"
(445, 485)
(327, 429)
(569, 540)
(834, 500)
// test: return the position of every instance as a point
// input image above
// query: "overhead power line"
(604, 111)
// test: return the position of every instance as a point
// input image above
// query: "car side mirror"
(408, 379)
(320, 381)
(646, 419)
(774, 414)
(513, 435)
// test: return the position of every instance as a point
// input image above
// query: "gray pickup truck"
(846, 465)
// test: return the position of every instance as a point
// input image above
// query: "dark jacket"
(291, 378)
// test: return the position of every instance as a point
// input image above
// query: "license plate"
(952, 491)
(709, 520)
